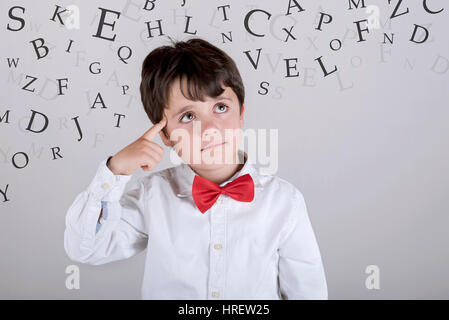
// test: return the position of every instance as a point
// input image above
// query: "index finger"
(151, 133)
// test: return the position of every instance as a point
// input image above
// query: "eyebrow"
(189, 106)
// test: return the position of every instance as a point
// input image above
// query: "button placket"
(217, 261)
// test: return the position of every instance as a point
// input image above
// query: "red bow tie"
(206, 192)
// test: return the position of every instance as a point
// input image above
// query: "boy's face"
(204, 134)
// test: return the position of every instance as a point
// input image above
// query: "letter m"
(356, 5)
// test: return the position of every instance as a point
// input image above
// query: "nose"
(208, 129)
(210, 133)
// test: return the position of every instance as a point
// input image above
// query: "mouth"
(212, 146)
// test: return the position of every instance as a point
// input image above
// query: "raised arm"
(123, 231)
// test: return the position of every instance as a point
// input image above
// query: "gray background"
(368, 148)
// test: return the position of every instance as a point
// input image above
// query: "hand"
(143, 153)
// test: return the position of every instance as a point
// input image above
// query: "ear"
(241, 115)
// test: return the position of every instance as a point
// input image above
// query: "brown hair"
(205, 66)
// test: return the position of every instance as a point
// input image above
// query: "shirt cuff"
(107, 186)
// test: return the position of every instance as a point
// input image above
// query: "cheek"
(231, 120)
(185, 140)
(234, 132)
(179, 133)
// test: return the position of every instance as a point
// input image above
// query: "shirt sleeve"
(301, 272)
(123, 229)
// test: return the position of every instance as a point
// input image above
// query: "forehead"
(176, 99)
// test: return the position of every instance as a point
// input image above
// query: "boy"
(214, 228)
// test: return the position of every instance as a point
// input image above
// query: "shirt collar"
(184, 175)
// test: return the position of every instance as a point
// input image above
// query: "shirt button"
(215, 294)
(102, 221)
(105, 185)
(217, 246)
(220, 200)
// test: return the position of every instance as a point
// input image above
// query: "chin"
(207, 167)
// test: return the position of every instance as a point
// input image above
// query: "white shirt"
(264, 249)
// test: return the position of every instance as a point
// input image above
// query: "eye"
(221, 108)
(189, 115)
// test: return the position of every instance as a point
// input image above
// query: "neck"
(220, 175)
